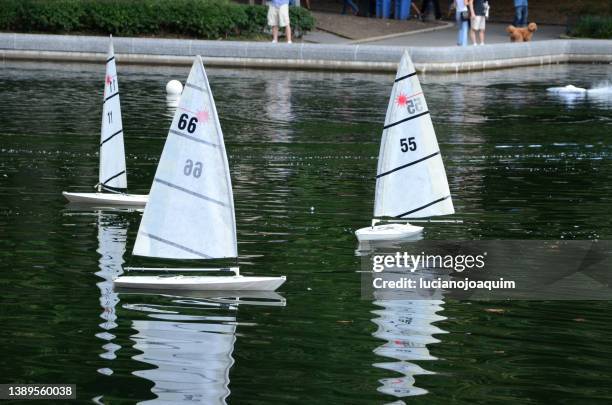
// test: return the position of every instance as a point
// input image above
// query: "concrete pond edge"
(302, 56)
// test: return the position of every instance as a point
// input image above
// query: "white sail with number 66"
(190, 213)
(410, 180)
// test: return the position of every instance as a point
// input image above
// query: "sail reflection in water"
(112, 232)
(407, 327)
(190, 341)
(192, 359)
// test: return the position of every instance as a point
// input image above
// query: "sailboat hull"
(388, 232)
(201, 283)
(132, 200)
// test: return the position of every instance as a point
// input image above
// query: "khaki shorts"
(278, 16)
(478, 23)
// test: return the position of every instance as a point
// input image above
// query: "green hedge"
(209, 19)
(593, 27)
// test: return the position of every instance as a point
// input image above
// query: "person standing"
(278, 16)
(477, 21)
(461, 11)
(520, 13)
(349, 3)
(427, 5)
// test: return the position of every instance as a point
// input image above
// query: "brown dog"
(521, 34)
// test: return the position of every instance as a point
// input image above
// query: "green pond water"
(302, 146)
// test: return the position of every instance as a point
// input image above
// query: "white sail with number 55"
(410, 180)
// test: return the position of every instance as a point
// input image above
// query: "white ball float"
(174, 88)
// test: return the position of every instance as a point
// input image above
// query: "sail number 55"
(414, 105)
(408, 144)
(193, 168)
(185, 122)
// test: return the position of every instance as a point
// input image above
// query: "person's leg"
(288, 33)
(275, 33)
(482, 31)
(459, 24)
(437, 11)
(478, 24)
(462, 30)
(273, 22)
(517, 16)
(473, 36)
(283, 19)
(415, 9)
(521, 16)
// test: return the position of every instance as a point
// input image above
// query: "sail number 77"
(408, 144)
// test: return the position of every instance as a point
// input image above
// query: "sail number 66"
(193, 169)
(408, 146)
(191, 125)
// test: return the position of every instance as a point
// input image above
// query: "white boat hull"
(132, 200)
(387, 232)
(204, 283)
(569, 89)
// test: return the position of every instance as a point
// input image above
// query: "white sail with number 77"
(190, 212)
(112, 175)
(411, 180)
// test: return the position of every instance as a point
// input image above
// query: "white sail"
(410, 181)
(190, 213)
(112, 153)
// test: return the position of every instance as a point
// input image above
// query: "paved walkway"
(441, 35)
(358, 28)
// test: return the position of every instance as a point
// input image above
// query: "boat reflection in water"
(406, 326)
(189, 338)
(405, 320)
(368, 247)
(112, 234)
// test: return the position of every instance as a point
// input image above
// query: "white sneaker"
(482, 43)
(289, 42)
(274, 41)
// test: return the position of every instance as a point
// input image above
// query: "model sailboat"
(112, 172)
(410, 181)
(190, 213)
